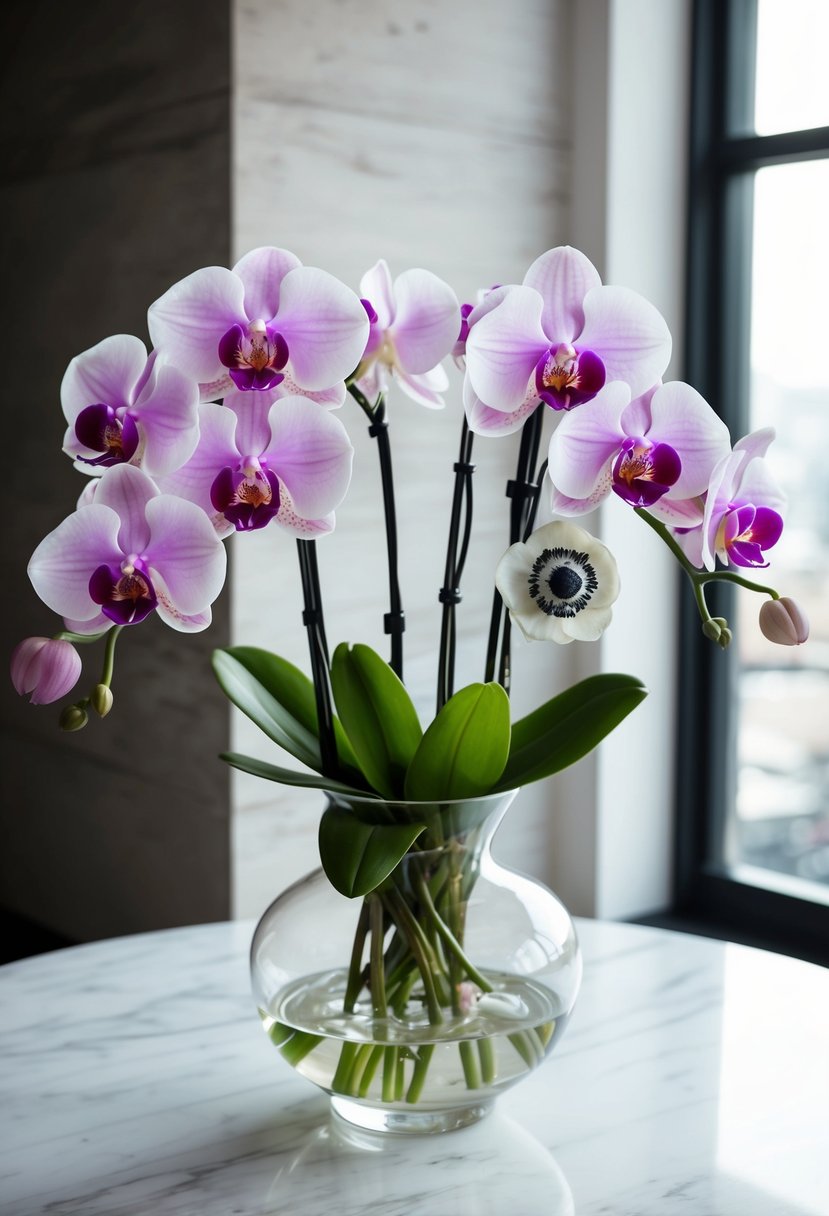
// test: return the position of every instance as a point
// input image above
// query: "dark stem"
(449, 594)
(312, 619)
(523, 493)
(394, 621)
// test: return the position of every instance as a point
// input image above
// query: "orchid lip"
(644, 471)
(566, 378)
(254, 359)
(125, 593)
(248, 497)
(100, 428)
(747, 531)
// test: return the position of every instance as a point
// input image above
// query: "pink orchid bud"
(784, 622)
(45, 667)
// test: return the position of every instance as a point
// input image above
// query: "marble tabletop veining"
(693, 1079)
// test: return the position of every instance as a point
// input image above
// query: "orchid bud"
(48, 668)
(101, 699)
(725, 638)
(784, 622)
(74, 717)
(712, 629)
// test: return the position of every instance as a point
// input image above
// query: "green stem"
(419, 1075)
(355, 971)
(421, 950)
(469, 1060)
(378, 981)
(341, 1081)
(486, 1054)
(389, 1073)
(109, 655)
(449, 939)
(370, 1069)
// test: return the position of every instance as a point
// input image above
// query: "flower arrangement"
(229, 425)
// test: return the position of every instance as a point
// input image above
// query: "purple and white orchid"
(743, 509)
(129, 553)
(269, 321)
(661, 447)
(557, 339)
(415, 322)
(261, 459)
(123, 407)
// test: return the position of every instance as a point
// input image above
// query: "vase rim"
(336, 796)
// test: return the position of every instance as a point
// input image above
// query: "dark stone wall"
(115, 155)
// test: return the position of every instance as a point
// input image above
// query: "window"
(753, 838)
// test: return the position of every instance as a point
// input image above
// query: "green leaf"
(357, 856)
(464, 751)
(566, 728)
(295, 693)
(377, 714)
(288, 776)
(253, 698)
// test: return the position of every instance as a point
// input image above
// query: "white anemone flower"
(559, 585)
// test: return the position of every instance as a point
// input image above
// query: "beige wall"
(434, 135)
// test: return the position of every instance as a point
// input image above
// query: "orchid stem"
(313, 621)
(449, 594)
(699, 578)
(394, 621)
(109, 655)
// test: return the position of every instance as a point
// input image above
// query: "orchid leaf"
(288, 776)
(295, 693)
(254, 700)
(378, 716)
(463, 752)
(358, 856)
(569, 726)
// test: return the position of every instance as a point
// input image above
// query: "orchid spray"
(229, 425)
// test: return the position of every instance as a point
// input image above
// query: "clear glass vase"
(415, 1006)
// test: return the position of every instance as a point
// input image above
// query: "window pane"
(782, 820)
(792, 83)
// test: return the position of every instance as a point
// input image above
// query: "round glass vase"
(416, 1005)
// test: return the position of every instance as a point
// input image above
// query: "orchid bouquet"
(229, 425)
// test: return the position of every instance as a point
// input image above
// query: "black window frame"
(710, 896)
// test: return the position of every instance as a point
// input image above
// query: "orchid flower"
(414, 323)
(664, 443)
(48, 668)
(742, 514)
(123, 407)
(260, 460)
(557, 339)
(269, 321)
(559, 585)
(130, 552)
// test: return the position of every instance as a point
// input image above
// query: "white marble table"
(694, 1079)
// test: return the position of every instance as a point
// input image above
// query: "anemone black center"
(564, 582)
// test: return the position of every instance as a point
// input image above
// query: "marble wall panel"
(114, 132)
(434, 135)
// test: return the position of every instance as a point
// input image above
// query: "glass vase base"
(414, 1122)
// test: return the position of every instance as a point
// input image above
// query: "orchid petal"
(692, 543)
(680, 513)
(685, 420)
(628, 334)
(105, 374)
(759, 487)
(295, 525)
(562, 504)
(329, 398)
(637, 417)
(63, 563)
(484, 421)
(425, 388)
(127, 490)
(504, 347)
(310, 452)
(491, 299)
(216, 450)
(185, 551)
(188, 321)
(168, 413)
(324, 324)
(376, 287)
(585, 440)
(171, 615)
(562, 277)
(95, 624)
(253, 428)
(427, 320)
(262, 271)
